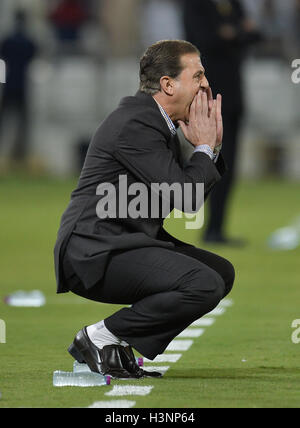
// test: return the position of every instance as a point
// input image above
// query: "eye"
(199, 76)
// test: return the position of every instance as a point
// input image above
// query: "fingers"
(219, 120)
(193, 110)
(213, 114)
(206, 106)
(209, 94)
(219, 106)
(219, 110)
(204, 102)
(210, 99)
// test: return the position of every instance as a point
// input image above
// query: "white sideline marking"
(118, 404)
(164, 358)
(120, 390)
(203, 322)
(226, 303)
(192, 332)
(161, 369)
(179, 345)
(217, 311)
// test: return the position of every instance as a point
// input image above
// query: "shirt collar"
(167, 118)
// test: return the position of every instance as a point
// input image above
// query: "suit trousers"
(167, 289)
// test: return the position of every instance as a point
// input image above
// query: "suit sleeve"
(143, 150)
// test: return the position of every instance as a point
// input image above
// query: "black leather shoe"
(130, 364)
(106, 361)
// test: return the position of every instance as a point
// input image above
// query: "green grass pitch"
(245, 359)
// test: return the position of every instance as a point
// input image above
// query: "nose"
(204, 83)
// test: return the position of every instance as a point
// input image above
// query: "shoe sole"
(76, 354)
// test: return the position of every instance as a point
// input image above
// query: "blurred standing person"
(68, 18)
(160, 20)
(221, 31)
(279, 24)
(297, 12)
(17, 50)
(121, 24)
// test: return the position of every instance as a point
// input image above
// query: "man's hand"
(219, 120)
(219, 117)
(205, 123)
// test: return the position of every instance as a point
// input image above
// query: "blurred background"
(70, 61)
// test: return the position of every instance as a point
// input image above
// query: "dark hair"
(163, 59)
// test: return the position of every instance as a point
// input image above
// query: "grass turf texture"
(212, 373)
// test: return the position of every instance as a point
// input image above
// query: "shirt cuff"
(204, 148)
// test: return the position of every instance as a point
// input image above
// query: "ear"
(167, 85)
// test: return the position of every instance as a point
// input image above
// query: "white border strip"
(217, 311)
(121, 390)
(179, 345)
(117, 404)
(203, 322)
(164, 358)
(162, 369)
(192, 332)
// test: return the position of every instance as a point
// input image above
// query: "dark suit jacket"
(134, 141)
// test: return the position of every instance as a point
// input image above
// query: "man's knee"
(228, 276)
(218, 292)
(206, 285)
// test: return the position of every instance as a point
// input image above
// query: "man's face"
(191, 80)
